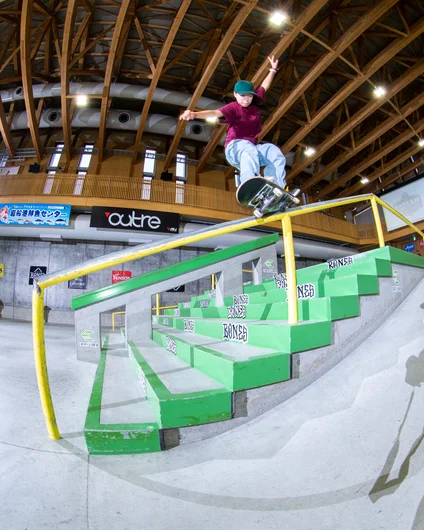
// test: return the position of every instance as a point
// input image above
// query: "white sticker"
(236, 311)
(186, 305)
(280, 280)
(204, 303)
(235, 332)
(171, 345)
(189, 325)
(177, 312)
(165, 321)
(339, 262)
(142, 380)
(212, 294)
(242, 299)
(305, 291)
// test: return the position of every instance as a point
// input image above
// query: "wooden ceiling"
(332, 55)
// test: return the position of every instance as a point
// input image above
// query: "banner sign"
(35, 272)
(421, 243)
(35, 214)
(120, 276)
(78, 283)
(1, 270)
(409, 247)
(178, 289)
(130, 219)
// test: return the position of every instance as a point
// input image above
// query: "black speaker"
(34, 168)
(166, 175)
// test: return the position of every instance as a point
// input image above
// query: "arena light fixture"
(309, 151)
(81, 100)
(380, 92)
(278, 18)
(364, 180)
(421, 142)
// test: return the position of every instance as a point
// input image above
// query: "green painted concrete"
(105, 439)
(181, 410)
(232, 372)
(171, 271)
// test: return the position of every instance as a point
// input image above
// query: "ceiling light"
(379, 91)
(421, 142)
(81, 100)
(213, 119)
(309, 151)
(278, 18)
(364, 180)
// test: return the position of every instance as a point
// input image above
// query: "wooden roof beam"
(179, 17)
(118, 36)
(288, 38)
(65, 75)
(377, 174)
(399, 174)
(209, 71)
(375, 157)
(25, 46)
(340, 46)
(5, 131)
(377, 132)
(360, 116)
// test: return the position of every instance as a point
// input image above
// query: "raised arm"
(272, 71)
(201, 114)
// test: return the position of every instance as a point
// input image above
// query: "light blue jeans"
(248, 159)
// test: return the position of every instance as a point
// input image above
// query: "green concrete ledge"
(233, 372)
(105, 439)
(169, 272)
(185, 409)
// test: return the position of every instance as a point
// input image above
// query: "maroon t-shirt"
(244, 122)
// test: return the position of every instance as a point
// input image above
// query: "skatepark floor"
(346, 453)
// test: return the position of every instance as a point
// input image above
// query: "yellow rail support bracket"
(377, 221)
(113, 318)
(157, 304)
(290, 269)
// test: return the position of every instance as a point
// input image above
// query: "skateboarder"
(243, 116)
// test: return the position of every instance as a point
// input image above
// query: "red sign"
(120, 276)
(421, 243)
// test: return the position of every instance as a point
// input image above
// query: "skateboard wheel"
(258, 214)
(296, 200)
(277, 192)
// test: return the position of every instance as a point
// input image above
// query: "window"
(149, 162)
(83, 166)
(181, 170)
(85, 159)
(52, 167)
(179, 192)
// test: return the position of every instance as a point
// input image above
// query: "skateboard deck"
(264, 196)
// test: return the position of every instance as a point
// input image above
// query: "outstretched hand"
(273, 61)
(188, 115)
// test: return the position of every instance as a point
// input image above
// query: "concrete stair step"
(119, 420)
(236, 366)
(179, 394)
(277, 335)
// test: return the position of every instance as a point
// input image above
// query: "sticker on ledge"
(236, 311)
(142, 380)
(280, 280)
(186, 305)
(204, 303)
(165, 321)
(235, 332)
(189, 325)
(177, 312)
(171, 345)
(240, 299)
(339, 262)
(212, 294)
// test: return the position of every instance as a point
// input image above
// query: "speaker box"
(166, 175)
(34, 168)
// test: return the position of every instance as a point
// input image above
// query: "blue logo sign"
(35, 214)
(409, 247)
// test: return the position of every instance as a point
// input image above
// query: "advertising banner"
(409, 247)
(121, 276)
(78, 283)
(131, 219)
(35, 214)
(35, 272)
(178, 289)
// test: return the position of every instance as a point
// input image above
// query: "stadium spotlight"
(81, 100)
(309, 151)
(364, 180)
(379, 92)
(278, 18)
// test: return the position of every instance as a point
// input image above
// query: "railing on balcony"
(155, 191)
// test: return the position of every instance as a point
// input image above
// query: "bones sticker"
(235, 332)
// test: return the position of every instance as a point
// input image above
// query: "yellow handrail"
(147, 250)
(113, 317)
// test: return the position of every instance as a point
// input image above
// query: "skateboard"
(265, 196)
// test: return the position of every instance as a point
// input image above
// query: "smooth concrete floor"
(345, 453)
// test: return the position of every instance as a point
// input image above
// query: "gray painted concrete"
(346, 453)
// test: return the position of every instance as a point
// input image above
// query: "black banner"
(131, 219)
(78, 283)
(35, 272)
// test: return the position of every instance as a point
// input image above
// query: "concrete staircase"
(206, 364)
